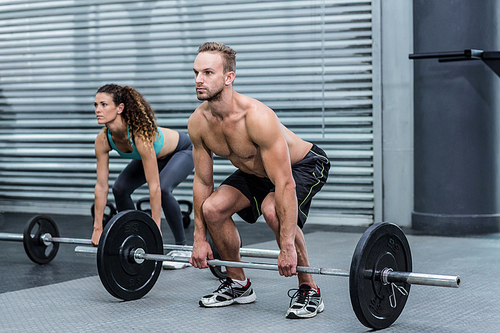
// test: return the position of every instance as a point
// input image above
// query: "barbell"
(41, 241)
(41, 236)
(130, 252)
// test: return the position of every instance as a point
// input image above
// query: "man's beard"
(214, 97)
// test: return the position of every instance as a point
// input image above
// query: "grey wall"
(311, 61)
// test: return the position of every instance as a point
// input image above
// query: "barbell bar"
(386, 276)
(248, 252)
(130, 253)
(5, 236)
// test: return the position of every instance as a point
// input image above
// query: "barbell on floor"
(41, 236)
(41, 242)
(130, 253)
(41, 239)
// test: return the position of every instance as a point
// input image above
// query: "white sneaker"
(308, 303)
(229, 292)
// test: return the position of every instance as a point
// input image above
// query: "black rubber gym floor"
(67, 296)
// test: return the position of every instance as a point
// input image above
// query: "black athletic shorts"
(310, 174)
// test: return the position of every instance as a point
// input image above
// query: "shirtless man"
(276, 171)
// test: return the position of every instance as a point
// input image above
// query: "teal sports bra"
(157, 145)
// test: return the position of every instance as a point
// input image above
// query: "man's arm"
(265, 131)
(203, 187)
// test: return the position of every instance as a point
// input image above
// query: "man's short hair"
(228, 54)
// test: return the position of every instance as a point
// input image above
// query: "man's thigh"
(228, 200)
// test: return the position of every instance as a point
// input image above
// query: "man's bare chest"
(232, 145)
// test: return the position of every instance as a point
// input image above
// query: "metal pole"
(386, 275)
(424, 279)
(80, 241)
(11, 237)
(247, 252)
(86, 251)
(47, 239)
(258, 253)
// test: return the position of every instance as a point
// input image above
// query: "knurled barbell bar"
(130, 253)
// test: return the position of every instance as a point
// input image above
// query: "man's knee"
(269, 212)
(211, 213)
(270, 215)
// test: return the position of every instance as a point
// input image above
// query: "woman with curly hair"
(162, 157)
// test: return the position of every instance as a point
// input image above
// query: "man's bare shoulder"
(257, 113)
(199, 110)
(197, 119)
(255, 110)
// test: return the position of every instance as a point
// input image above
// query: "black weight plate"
(383, 245)
(35, 248)
(119, 273)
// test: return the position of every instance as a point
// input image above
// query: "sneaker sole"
(240, 300)
(246, 299)
(293, 315)
(215, 305)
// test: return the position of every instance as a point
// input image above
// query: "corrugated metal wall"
(311, 61)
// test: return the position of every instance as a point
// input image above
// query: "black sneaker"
(308, 303)
(229, 292)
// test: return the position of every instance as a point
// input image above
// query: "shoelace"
(225, 284)
(302, 296)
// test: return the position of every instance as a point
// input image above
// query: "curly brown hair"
(137, 113)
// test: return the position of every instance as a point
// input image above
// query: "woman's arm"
(151, 173)
(102, 150)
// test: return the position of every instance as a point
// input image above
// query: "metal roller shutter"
(311, 61)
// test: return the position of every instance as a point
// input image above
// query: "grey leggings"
(173, 170)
